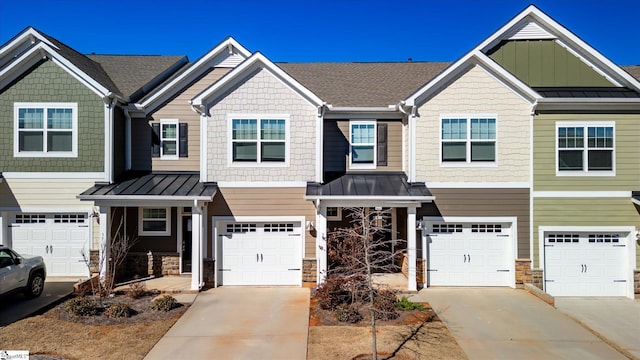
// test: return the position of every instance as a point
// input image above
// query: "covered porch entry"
(373, 192)
(163, 212)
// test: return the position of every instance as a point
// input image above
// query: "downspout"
(127, 139)
(531, 223)
(110, 100)
(202, 111)
(320, 142)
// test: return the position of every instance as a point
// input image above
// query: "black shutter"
(183, 143)
(155, 140)
(382, 144)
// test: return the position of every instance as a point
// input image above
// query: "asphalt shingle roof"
(132, 72)
(363, 84)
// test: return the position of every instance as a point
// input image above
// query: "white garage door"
(260, 254)
(469, 254)
(58, 238)
(585, 264)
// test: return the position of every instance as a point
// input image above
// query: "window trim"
(175, 122)
(468, 141)
(585, 171)
(44, 153)
(337, 216)
(141, 219)
(374, 163)
(258, 118)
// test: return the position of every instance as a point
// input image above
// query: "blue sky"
(312, 30)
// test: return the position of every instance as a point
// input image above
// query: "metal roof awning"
(153, 187)
(370, 187)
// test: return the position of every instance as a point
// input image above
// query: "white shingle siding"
(476, 92)
(262, 93)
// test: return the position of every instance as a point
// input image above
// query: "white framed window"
(468, 140)
(260, 140)
(585, 148)
(154, 221)
(334, 213)
(45, 130)
(169, 135)
(362, 144)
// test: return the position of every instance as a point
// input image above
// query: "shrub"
(164, 303)
(137, 289)
(384, 304)
(119, 310)
(405, 304)
(347, 313)
(83, 306)
(333, 293)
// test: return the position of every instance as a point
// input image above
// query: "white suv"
(19, 273)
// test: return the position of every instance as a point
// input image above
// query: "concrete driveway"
(240, 323)
(617, 320)
(503, 323)
(17, 306)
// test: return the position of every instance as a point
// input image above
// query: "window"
(154, 221)
(169, 139)
(584, 149)
(447, 228)
(468, 140)
(334, 213)
(45, 130)
(363, 144)
(259, 140)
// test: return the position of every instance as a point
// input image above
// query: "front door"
(186, 244)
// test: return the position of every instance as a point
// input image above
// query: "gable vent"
(529, 31)
(232, 61)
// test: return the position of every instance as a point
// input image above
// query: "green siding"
(49, 83)
(582, 212)
(627, 155)
(545, 63)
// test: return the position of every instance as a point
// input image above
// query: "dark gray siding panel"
(484, 203)
(140, 145)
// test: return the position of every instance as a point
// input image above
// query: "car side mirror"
(17, 261)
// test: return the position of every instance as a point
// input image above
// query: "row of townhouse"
(516, 163)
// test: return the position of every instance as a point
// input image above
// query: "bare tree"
(355, 253)
(118, 245)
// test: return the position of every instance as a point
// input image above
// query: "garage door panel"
(469, 254)
(58, 238)
(591, 264)
(267, 253)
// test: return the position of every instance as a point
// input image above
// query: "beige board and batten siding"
(179, 108)
(263, 94)
(585, 212)
(256, 202)
(476, 92)
(336, 145)
(627, 154)
(484, 203)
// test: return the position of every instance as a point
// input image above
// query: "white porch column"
(196, 246)
(105, 243)
(3, 231)
(321, 244)
(423, 236)
(411, 248)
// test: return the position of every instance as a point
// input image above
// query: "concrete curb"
(540, 294)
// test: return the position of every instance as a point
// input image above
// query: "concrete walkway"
(240, 323)
(617, 320)
(503, 323)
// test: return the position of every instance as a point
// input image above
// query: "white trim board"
(582, 194)
(478, 185)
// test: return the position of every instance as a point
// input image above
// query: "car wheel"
(35, 286)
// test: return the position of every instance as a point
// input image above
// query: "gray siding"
(484, 203)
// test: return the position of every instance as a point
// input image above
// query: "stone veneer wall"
(636, 283)
(538, 278)
(208, 272)
(309, 270)
(524, 275)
